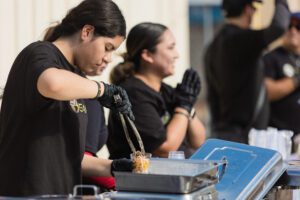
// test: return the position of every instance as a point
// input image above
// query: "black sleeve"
(39, 59)
(279, 22)
(42, 58)
(148, 122)
(252, 42)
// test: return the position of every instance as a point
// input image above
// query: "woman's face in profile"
(166, 54)
(93, 54)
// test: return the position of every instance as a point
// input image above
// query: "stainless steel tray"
(172, 176)
(207, 193)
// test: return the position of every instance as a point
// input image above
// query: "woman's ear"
(147, 56)
(87, 32)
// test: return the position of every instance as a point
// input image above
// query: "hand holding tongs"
(118, 99)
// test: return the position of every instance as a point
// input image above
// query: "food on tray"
(140, 162)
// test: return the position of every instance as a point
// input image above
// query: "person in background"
(165, 117)
(234, 70)
(96, 138)
(43, 118)
(282, 79)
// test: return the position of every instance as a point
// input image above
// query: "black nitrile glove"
(107, 100)
(187, 91)
(121, 165)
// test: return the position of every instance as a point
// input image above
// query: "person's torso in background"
(234, 73)
(285, 113)
(97, 133)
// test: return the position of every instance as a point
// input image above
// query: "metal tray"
(172, 176)
(207, 193)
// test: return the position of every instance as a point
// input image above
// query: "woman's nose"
(176, 55)
(108, 57)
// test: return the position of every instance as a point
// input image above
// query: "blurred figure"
(282, 71)
(234, 70)
(96, 138)
(165, 117)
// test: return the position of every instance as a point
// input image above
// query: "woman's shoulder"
(136, 88)
(133, 83)
(41, 46)
(40, 50)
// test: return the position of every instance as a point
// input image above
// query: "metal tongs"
(117, 100)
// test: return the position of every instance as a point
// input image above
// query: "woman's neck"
(151, 80)
(65, 47)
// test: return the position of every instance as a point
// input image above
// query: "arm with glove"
(107, 100)
(185, 94)
(63, 85)
(93, 166)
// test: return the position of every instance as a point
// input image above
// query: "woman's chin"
(94, 73)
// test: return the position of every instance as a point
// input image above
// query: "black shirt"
(285, 113)
(235, 77)
(152, 112)
(41, 139)
(96, 131)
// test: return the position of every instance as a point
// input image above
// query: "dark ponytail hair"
(142, 36)
(104, 15)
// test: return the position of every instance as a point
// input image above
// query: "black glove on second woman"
(187, 91)
(107, 100)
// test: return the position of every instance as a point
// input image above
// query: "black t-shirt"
(152, 112)
(285, 113)
(234, 74)
(41, 139)
(96, 131)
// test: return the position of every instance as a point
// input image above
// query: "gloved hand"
(107, 100)
(187, 91)
(121, 165)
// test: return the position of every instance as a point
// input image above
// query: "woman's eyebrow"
(110, 46)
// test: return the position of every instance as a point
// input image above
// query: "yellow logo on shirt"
(78, 107)
(165, 118)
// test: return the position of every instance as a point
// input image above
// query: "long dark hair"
(104, 15)
(142, 36)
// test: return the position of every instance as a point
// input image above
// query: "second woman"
(165, 116)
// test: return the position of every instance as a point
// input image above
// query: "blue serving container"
(251, 171)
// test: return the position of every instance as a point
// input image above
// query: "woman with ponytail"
(165, 116)
(43, 118)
